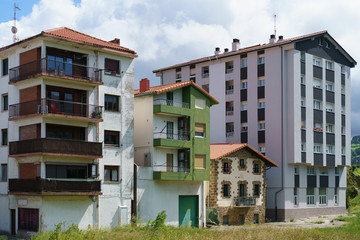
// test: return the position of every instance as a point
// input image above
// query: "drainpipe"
(282, 138)
(97, 140)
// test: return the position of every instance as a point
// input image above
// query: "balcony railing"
(245, 201)
(229, 91)
(229, 112)
(54, 68)
(179, 135)
(52, 106)
(56, 146)
(171, 103)
(164, 168)
(230, 134)
(40, 186)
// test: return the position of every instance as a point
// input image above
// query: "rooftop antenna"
(275, 16)
(14, 28)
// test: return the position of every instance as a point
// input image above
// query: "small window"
(5, 67)
(241, 219)
(317, 105)
(322, 196)
(199, 161)
(256, 218)
(229, 87)
(317, 148)
(329, 86)
(310, 196)
(112, 138)
(261, 104)
(329, 65)
(111, 173)
(226, 192)
(343, 130)
(302, 79)
(329, 107)
(112, 66)
(229, 67)
(244, 84)
(296, 200)
(178, 73)
(343, 151)
(243, 106)
(302, 102)
(192, 70)
(3, 173)
(296, 170)
(261, 82)
(111, 103)
(262, 150)
(226, 220)
(199, 130)
(243, 62)
(256, 168)
(4, 137)
(28, 219)
(317, 62)
(5, 102)
(205, 72)
(310, 171)
(261, 60)
(330, 149)
(342, 109)
(242, 164)
(342, 89)
(200, 103)
(342, 69)
(317, 83)
(256, 190)
(302, 56)
(261, 126)
(242, 189)
(303, 147)
(226, 168)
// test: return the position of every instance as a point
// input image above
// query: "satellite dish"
(14, 29)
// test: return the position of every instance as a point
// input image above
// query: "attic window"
(112, 66)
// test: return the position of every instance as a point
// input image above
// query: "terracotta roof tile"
(220, 150)
(171, 86)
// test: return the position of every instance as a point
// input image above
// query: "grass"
(351, 230)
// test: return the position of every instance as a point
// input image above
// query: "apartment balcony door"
(170, 130)
(169, 98)
(169, 162)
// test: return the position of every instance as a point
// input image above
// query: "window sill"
(112, 182)
(111, 111)
(111, 146)
(112, 74)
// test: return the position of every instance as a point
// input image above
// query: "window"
(329, 107)
(242, 164)
(261, 104)
(5, 102)
(317, 83)
(342, 89)
(330, 149)
(261, 82)
(262, 150)
(3, 173)
(242, 192)
(310, 196)
(317, 148)
(4, 137)
(243, 62)
(336, 196)
(261, 59)
(329, 65)
(342, 109)
(5, 67)
(206, 87)
(112, 66)
(66, 171)
(317, 105)
(329, 86)
(296, 170)
(302, 56)
(343, 130)
(244, 84)
(322, 196)
(256, 190)
(229, 67)
(317, 61)
(200, 103)
(192, 70)
(178, 73)
(225, 220)
(226, 192)
(230, 108)
(112, 138)
(256, 168)
(111, 103)
(199, 161)
(327, 45)
(261, 126)
(302, 102)
(303, 147)
(229, 129)
(343, 151)
(205, 72)
(256, 218)
(337, 171)
(329, 128)
(199, 130)
(226, 168)
(243, 106)
(111, 173)
(302, 79)
(310, 171)
(229, 89)
(323, 171)
(28, 219)
(320, 42)
(296, 202)
(241, 219)
(342, 69)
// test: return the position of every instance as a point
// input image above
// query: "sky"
(165, 32)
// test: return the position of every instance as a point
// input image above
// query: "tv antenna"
(275, 16)
(14, 28)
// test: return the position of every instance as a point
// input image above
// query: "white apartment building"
(291, 99)
(66, 122)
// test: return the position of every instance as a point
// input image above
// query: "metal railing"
(230, 134)
(164, 168)
(171, 103)
(245, 201)
(229, 112)
(52, 106)
(229, 91)
(54, 68)
(179, 135)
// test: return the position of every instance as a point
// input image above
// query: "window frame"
(203, 159)
(200, 134)
(108, 69)
(111, 168)
(5, 67)
(256, 190)
(261, 59)
(4, 102)
(115, 106)
(112, 133)
(317, 62)
(4, 172)
(4, 137)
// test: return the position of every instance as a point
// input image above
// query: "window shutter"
(199, 161)
(200, 128)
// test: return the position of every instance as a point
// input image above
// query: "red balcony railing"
(54, 68)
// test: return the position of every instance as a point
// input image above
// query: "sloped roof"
(71, 35)
(220, 150)
(168, 87)
(256, 48)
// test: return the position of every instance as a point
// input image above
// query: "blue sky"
(167, 32)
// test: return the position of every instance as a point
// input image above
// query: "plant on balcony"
(318, 129)
(303, 126)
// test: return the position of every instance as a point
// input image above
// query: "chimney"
(116, 41)
(235, 44)
(217, 51)
(226, 50)
(144, 85)
(281, 38)
(272, 38)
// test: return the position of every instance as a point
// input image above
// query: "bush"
(158, 223)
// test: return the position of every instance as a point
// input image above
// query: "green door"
(188, 211)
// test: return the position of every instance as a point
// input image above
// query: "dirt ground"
(311, 222)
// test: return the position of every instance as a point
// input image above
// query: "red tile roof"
(168, 87)
(220, 150)
(252, 48)
(68, 34)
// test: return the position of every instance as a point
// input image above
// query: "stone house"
(237, 187)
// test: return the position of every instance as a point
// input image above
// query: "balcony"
(230, 134)
(47, 67)
(163, 106)
(174, 169)
(168, 173)
(56, 108)
(245, 201)
(179, 139)
(58, 147)
(54, 187)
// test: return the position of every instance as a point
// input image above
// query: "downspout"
(97, 124)
(282, 138)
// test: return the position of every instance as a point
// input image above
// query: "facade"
(67, 132)
(172, 151)
(289, 98)
(237, 187)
